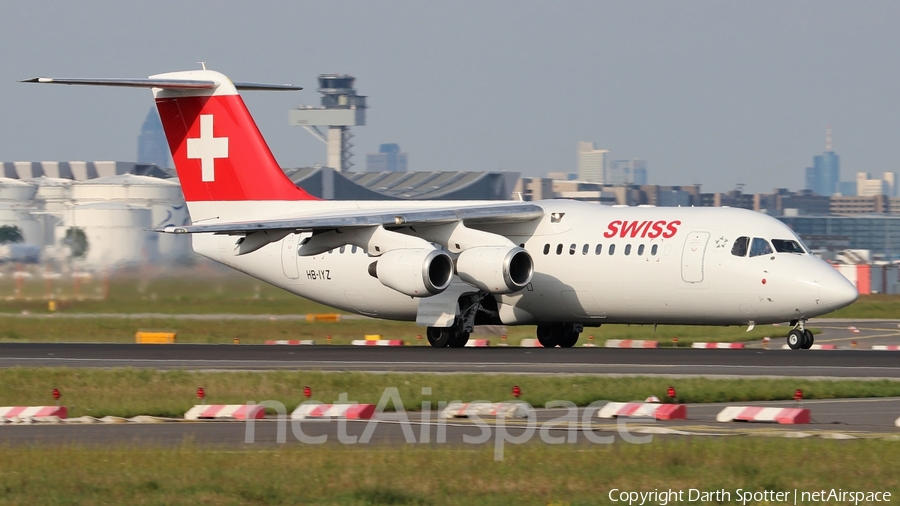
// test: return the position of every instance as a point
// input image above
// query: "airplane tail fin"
(218, 151)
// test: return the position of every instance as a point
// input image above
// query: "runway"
(832, 419)
(669, 362)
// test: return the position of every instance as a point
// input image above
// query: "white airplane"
(559, 264)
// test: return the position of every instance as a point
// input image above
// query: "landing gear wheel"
(808, 339)
(459, 339)
(568, 339)
(440, 337)
(547, 335)
(795, 339)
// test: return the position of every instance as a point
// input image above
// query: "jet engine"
(496, 269)
(414, 272)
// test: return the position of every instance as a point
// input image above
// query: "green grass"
(530, 474)
(871, 306)
(131, 392)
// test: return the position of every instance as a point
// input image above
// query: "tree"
(10, 234)
(77, 242)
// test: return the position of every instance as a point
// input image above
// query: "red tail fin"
(218, 151)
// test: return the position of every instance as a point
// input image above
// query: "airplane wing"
(482, 214)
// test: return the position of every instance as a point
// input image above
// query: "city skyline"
(716, 94)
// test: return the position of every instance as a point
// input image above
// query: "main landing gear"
(564, 335)
(800, 338)
(453, 337)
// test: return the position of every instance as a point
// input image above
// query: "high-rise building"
(627, 172)
(825, 174)
(388, 159)
(866, 187)
(152, 145)
(591, 162)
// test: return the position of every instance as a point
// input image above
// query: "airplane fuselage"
(592, 265)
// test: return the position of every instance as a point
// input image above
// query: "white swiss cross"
(207, 148)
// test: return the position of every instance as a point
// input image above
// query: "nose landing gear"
(800, 338)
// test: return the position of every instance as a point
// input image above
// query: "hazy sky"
(707, 92)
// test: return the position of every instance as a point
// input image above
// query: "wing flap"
(513, 213)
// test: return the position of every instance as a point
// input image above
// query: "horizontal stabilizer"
(171, 84)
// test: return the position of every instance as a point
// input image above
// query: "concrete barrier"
(378, 342)
(785, 416)
(348, 411)
(494, 409)
(645, 409)
(631, 343)
(22, 412)
(225, 412)
(719, 346)
(478, 343)
(815, 347)
(154, 338)
(292, 342)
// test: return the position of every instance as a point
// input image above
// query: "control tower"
(341, 109)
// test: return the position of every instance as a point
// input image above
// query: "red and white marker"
(719, 346)
(644, 409)
(815, 347)
(478, 343)
(225, 412)
(377, 342)
(882, 347)
(292, 342)
(786, 416)
(10, 412)
(631, 343)
(348, 411)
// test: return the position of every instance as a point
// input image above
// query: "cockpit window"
(739, 249)
(787, 246)
(759, 247)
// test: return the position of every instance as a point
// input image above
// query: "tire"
(459, 339)
(808, 339)
(547, 336)
(795, 339)
(569, 339)
(439, 337)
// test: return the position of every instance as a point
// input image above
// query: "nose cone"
(836, 291)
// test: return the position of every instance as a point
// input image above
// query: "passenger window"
(559, 249)
(739, 249)
(612, 249)
(599, 249)
(546, 249)
(353, 249)
(627, 249)
(572, 249)
(343, 248)
(584, 250)
(787, 246)
(759, 247)
(641, 249)
(654, 249)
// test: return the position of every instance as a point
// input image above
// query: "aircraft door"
(289, 256)
(692, 257)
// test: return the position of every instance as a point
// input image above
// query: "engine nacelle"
(496, 269)
(414, 272)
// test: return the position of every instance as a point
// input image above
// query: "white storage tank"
(20, 216)
(116, 233)
(15, 190)
(52, 192)
(162, 196)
